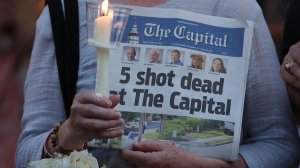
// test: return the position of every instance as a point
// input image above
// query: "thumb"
(115, 99)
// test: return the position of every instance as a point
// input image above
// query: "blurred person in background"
(10, 95)
(10, 86)
(17, 19)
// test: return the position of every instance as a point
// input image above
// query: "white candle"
(103, 29)
(102, 38)
(102, 84)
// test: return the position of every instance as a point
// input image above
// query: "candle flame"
(104, 8)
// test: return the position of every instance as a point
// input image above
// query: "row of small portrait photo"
(173, 57)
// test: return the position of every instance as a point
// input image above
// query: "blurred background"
(17, 30)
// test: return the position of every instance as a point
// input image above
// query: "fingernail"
(120, 114)
(106, 100)
(99, 95)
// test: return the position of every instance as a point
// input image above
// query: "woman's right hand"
(290, 68)
(91, 117)
(290, 72)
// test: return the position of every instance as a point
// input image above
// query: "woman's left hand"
(155, 154)
(149, 154)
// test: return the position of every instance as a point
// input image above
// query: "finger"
(104, 134)
(295, 70)
(86, 97)
(135, 157)
(114, 99)
(286, 76)
(294, 52)
(111, 133)
(150, 146)
(94, 125)
(104, 101)
(284, 70)
(289, 78)
(96, 112)
(292, 60)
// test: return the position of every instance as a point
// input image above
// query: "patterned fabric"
(269, 135)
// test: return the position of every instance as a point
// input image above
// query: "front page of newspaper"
(181, 78)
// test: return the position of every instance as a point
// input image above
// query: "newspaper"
(191, 96)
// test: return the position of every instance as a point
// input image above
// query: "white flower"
(76, 159)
